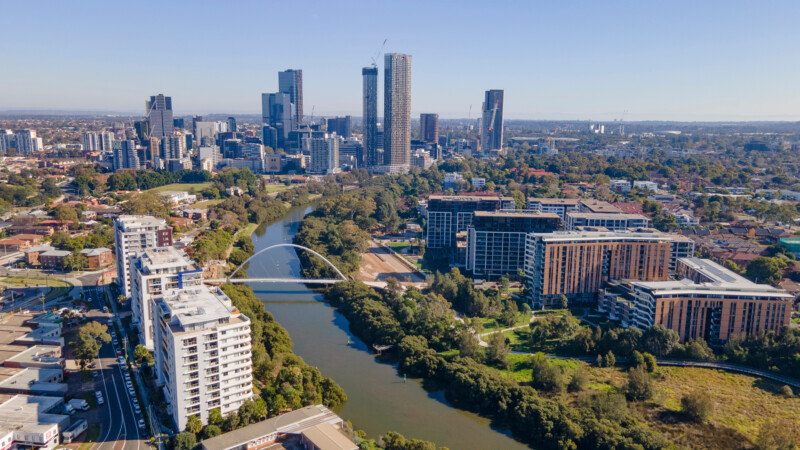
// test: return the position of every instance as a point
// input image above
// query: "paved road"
(119, 430)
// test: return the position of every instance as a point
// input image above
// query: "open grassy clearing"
(185, 187)
(207, 203)
(276, 187)
(492, 324)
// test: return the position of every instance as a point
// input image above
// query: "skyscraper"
(90, 141)
(291, 82)
(370, 75)
(397, 112)
(492, 122)
(429, 128)
(159, 115)
(324, 154)
(125, 155)
(232, 124)
(277, 111)
(341, 126)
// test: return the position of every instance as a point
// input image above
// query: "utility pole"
(125, 346)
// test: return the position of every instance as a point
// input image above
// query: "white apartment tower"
(153, 272)
(134, 234)
(324, 154)
(202, 353)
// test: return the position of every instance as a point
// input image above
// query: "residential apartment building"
(397, 112)
(576, 264)
(560, 206)
(496, 240)
(447, 215)
(154, 271)
(492, 122)
(613, 222)
(202, 353)
(710, 303)
(134, 234)
(324, 155)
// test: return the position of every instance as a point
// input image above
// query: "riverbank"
(379, 398)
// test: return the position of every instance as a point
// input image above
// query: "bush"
(609, 360)
(579, 380)
(697, 406)
(545, 376)
(650, 362)
(787, 391)
(639, 386)
(636, 359)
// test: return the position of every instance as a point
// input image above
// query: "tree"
(214, 417)
(211, 431)
(120, 299)
(650, 362)
(141, 354)
(659, 341)
(609, 360)
(87, 343)
(468, 346)
(563, 301)
(76, 261)
(639, 386)
(66, 214)
(697, 406)
(184, 441)
(498, 350)
(194, 425)
(545, 376)
(579, 380)
(765, 269)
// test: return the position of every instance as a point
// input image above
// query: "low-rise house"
(98, 257)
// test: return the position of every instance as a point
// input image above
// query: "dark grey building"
(125, 155)
(397, 112)
(341, 126)
(492, 122)
(269, 136)
(429, 128)
(370, 76)
(232, 124)
(159, 115)
(277, 111)
(291, 82)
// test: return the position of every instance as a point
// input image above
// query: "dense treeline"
(547, 423)
(149, 179)
(211, 244)
(289, 383)
(25, 190)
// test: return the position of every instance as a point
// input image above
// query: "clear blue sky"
(673, 60)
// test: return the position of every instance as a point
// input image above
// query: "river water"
(379, 400)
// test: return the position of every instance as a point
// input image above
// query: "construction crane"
(378, 55)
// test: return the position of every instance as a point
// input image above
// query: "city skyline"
(602, 60)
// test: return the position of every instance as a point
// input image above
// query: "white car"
(141, 424)
(129, 384)
(132, 392)
(137, 409)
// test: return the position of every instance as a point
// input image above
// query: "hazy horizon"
(556, 61)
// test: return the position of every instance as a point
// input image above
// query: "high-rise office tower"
(429, 128)
(492, 121)
(277, 111)
(341, 126)
(159, 115)
(90, 141)
(134, 234)
(232, 124)
(269, 136)
(370, 116)
(291, 82)
(397, 112)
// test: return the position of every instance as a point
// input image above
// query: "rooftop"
(29, 413)
(569, 236)
(195, 306)
(517, 213)
(468, 198)
(606, 216)
(95, 251)
(555, 201)
(294, 422)
(599, 206)
(153, 260)
(128, 223)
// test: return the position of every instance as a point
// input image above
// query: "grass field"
(247, 230)
(58, 287)
(181, 187)
(276, 187)
(490, 323)
(207, 203)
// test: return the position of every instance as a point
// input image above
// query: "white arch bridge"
(230, 279)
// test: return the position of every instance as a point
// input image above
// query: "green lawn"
(276, 187)
(205, 204)
(491, 323)
(247, 230)
(181, 187)
(58, 287)
(398, 245)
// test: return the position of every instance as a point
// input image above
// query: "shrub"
(650, 362)
(639, 386)
(609, 360)
(787, 391)
(697, 406)
(579, 380)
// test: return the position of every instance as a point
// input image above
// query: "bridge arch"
(344, 278)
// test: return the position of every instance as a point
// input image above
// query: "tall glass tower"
(291, 82)
(159, 115)
(370, 75)
(397, 112)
